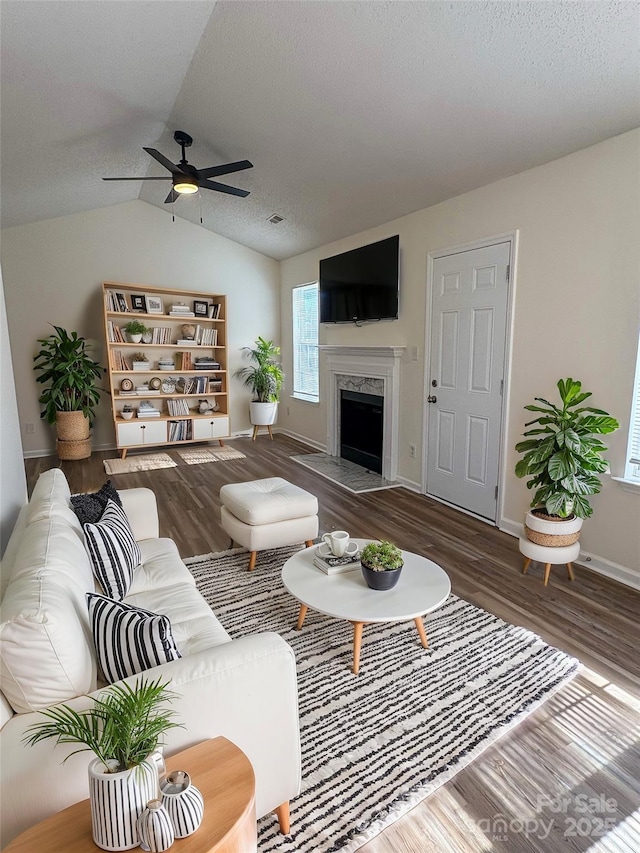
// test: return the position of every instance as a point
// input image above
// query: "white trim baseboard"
(409, 484)
(304, 440)
(593, 562)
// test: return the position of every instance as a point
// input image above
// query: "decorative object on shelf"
(127, 412)
(126, 385)
(139, 303)
(155, 828)
(72, 394)
(264, 376)
(200, 308)
(183, 802)
(155, 383)
(563, 458)
(166, 363)
(123, 729)
(139, 361)
(188, 332)
(155, 305)
(205, 407)
(135, 329)
(168, 385)
(382, 564)
(147, 337)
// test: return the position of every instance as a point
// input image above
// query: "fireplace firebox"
(361, 429)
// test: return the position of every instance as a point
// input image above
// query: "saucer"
(324, 550)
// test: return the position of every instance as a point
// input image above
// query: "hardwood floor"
(564, 779)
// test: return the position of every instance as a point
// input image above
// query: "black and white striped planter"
(118, 800)
(184, 803)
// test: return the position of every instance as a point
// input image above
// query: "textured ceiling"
(353, 113)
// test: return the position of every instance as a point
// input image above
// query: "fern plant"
(563, 454)
(123, 728)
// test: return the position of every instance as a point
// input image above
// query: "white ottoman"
(268, 513)
(549, 556)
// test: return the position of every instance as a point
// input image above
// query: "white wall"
(13, 484)
(53, 272)
(577, 309)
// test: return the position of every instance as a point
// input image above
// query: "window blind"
(633, 454)
(305, 341)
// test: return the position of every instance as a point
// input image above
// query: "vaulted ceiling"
(353, 113)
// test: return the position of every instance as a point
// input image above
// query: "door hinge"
(508, 272)
(496, 493)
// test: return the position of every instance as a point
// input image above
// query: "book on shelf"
(337, 565)
(181, 314)
(214, 311)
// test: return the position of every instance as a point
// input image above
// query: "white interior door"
(466, 377)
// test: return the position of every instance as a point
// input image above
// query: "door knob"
(432, 399)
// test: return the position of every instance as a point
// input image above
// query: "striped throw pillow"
(113, 550)
(128, 639)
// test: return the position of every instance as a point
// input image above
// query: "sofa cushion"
(194, 625)
(51, 496)
(89, 507)
(161, 566)
(128, 639)
(113, 550)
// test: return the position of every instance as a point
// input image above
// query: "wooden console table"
(222, 773)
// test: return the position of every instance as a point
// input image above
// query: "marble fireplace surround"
(369, 370)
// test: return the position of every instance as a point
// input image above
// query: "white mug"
(339, 543)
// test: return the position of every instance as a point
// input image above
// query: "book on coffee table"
(337, 565)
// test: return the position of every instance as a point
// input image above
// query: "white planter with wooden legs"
(263, 414)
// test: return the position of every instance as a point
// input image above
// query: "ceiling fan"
(186, 178)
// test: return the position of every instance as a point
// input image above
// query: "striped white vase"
(155, 828)
(118, 800)
(183, 801)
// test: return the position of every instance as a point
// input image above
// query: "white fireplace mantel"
(375, 362)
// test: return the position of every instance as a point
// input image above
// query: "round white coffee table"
(423, 586)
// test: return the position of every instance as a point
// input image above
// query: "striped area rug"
(375, 744)
(210, 454)
(138, 463)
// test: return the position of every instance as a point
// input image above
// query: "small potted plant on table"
(124, 730)
(381, 563)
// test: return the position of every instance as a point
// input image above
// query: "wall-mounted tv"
(361, 284)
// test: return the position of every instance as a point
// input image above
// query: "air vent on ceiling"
(275, 219)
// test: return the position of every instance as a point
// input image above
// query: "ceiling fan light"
(185, 187)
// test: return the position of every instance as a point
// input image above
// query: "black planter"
(381, 580)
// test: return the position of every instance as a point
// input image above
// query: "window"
(305, 342)
(632, 471)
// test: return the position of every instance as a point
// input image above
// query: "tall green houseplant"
(71, 391)
(264, 375)
(563, 454)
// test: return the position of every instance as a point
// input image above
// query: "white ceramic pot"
(263, 414)
(552, 532)
(135, 339)
(118, 800)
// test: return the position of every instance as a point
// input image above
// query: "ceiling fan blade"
(173, 196)
(225, 169)
(175, 170)
(223, 188)
(137, 179)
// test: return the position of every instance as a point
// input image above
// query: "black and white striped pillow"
(128, 639)
(113, 550)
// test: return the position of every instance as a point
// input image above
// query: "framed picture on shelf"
(200, 308)
(139, 303)
(122, 302)
(154, 305)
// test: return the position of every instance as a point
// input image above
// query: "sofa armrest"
(245, 689)
(142, 511)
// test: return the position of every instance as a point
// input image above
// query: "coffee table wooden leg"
(301, 615)
(421, 631)
(357, 642)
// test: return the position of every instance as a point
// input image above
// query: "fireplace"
(364, 372)
(361, 429)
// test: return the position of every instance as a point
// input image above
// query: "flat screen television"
(361, 284)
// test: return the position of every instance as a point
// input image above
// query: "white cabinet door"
(204, 428)
(137, 433)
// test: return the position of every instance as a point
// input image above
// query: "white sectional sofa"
(244, 689)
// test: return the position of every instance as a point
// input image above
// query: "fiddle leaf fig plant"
(65, 366)
(264, 376)
(563, 454)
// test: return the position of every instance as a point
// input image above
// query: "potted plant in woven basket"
(381, 564)
(563, 458)
(72, 394)
(124, 730)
